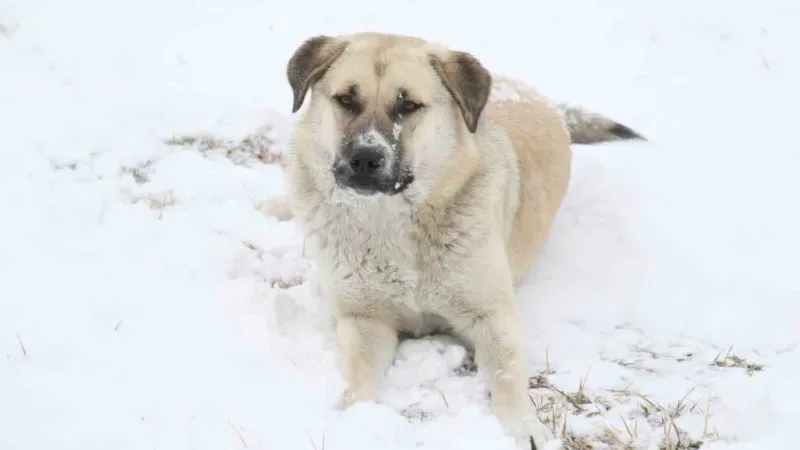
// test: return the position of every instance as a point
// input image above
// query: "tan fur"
(443, 255)
(542, 146)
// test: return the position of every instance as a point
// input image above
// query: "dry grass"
(674, 437)
(731, 360)
(276, 281)
(558, 409)
(238, 434)
(257, 147)
(627, 434)
(577, 399)
(548, 370)
(67, 166)
(322, 446)
(140, 173)
(160, 203)
(622, 362)
(764, 60)
(617, 439)
(572, 442)
(282, 283)
(21, 345)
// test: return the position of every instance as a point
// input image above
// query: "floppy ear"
(309, 63)
(468, 82)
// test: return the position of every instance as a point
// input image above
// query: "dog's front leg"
(495, 333)
(368, 346)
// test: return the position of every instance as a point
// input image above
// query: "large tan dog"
(423, 202)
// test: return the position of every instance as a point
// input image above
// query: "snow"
(145, 303)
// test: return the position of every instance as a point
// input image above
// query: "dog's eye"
(347, 101)
(408, 106)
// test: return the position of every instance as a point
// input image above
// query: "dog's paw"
(534, 435)
(541, 438)
(530, 444)
(345, 401)
(352, 396)
(279, 207)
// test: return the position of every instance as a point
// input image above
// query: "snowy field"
(146, 304)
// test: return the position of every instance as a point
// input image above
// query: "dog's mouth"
(373, 184)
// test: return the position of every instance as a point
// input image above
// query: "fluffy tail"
(586, 127)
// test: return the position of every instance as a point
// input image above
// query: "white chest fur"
(364, 250)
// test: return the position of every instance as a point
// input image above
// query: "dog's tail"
(586, 127)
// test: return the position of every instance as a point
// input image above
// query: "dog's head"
(386, 112)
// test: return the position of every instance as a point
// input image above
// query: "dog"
(424, 187)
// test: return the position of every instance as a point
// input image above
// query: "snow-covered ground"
(146, 304)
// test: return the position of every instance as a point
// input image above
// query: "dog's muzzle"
(367, 172)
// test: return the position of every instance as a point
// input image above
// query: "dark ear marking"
(468, 82)
(309, 63)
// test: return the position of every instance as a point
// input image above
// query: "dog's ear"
(468, 82)
(309, 63)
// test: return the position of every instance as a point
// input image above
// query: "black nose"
(366, 160)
